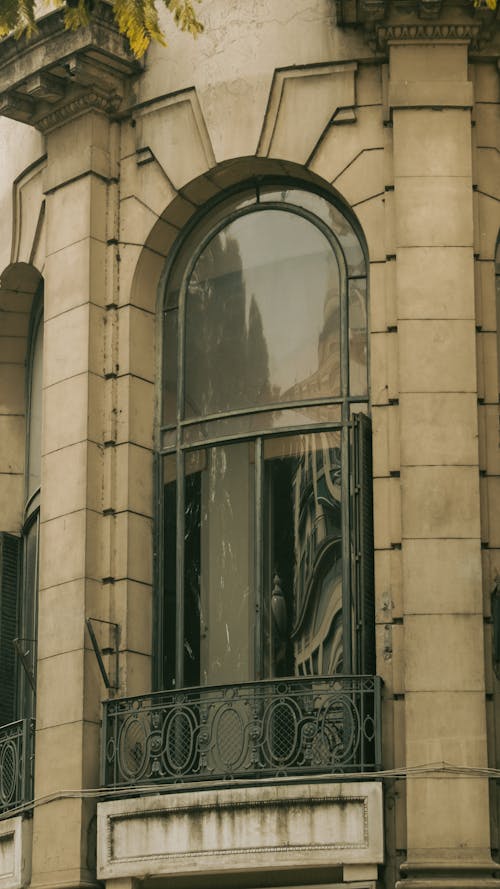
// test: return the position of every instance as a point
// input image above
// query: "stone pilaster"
(430, 101)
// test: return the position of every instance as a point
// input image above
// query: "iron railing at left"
(278, 728)
(16, 763)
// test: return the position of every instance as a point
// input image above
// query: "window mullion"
(259, 556)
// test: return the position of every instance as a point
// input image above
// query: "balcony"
(276, 728)
(16, 764)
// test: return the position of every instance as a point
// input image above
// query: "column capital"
(422, 21)
(58, 75)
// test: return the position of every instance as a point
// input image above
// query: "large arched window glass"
(265, 451)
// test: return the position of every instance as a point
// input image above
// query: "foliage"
(136, 19)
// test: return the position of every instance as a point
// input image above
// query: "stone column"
(80, 190)
(430, 101)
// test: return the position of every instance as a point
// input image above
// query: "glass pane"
(207, 224)
(358, 341)
(248, 424)
(169, 569)
(35, 413)
(334, 219)
(170, 335)
(219, 569)
(303, 555)
(28, 622)
(262, 316)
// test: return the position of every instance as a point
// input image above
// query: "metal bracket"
(102, 651)
(24, 655)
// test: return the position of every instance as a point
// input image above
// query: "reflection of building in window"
(258, 450)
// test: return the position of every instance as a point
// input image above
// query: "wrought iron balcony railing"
(276, 728)
(16, 763)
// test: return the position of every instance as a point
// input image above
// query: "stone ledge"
(254, 829)
(15, 852)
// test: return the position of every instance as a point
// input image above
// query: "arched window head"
(265, 450)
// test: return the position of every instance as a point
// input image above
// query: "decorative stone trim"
(58, 74)
(386, 21)
(253, 829)
(15, 852)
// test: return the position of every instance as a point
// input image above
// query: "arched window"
(266, 567)
(19, 556)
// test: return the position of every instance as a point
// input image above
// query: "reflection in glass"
(335, 220)
(35, 413)
(246, 424)
(358, 358)
(262, 316)
(303, 558)
(218, 564)
(170, 367)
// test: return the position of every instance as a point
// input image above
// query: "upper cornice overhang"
(58, 75)
(394, 21)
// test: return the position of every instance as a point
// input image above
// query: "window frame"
(345, 400)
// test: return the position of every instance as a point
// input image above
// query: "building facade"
(249, 451)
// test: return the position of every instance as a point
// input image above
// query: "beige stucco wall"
(268, 89)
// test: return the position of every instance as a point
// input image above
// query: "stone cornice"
(59, 74)
(388, 21)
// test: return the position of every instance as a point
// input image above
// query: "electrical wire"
(436, 769)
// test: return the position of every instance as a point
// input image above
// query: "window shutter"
(363, 545)
(10, 549)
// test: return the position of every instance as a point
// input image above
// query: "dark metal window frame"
(345, 400)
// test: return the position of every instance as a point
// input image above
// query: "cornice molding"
(59, 75)
(387, 21)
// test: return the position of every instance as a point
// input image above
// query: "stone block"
(488, 383)
(68, 399)
(425, 61)
(12, 492)
(371, 215)
(490, 492)
(74, 276)
(440, 502)
(438, 429)
(65, 480)
(487, 171)
(64, 226)
(446, 727)
(437, 356)
(139, 225)
(386, 512)
(12, 350)
(254, 829)
(383, 367)
(486, 234)
(381, 287)
(418, 271)
(363, 178)
(135, 411)
(170, 123)
(133, 610)
(432, 143)
(73, 344)
(140, 271)
(64, 770)
(489, 432)
(433, 211)
(65, 536)
(485, 291)
(137, 342)
(388, 586)
(133, 556)
(91, 132)
(61, 616)
(466, 797)
(66, 706)
(341, 144)
(12, 394)
(442, 576)
(12, 437)
(486, 83)
(444, 652)
(134, 479)
(15, 852)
